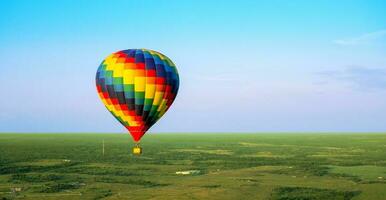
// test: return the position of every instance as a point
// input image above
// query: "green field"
(230, 166)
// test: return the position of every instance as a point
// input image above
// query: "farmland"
(227, 166)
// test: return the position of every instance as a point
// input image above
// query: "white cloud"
(366, 38)
(358, 77)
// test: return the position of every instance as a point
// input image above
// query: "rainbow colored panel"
(137, 86)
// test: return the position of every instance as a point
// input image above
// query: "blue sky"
(249, 66)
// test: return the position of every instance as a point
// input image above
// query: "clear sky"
(248, 66)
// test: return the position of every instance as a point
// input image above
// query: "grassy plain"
(232, 166)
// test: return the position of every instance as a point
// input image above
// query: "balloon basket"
(137, 150)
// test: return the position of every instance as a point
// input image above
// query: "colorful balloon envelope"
(137, 86)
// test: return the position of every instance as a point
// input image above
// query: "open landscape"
(193, 100)
(194, 166)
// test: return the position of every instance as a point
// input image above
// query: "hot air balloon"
(137, 86)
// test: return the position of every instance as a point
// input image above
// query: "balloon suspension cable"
(137, 149)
